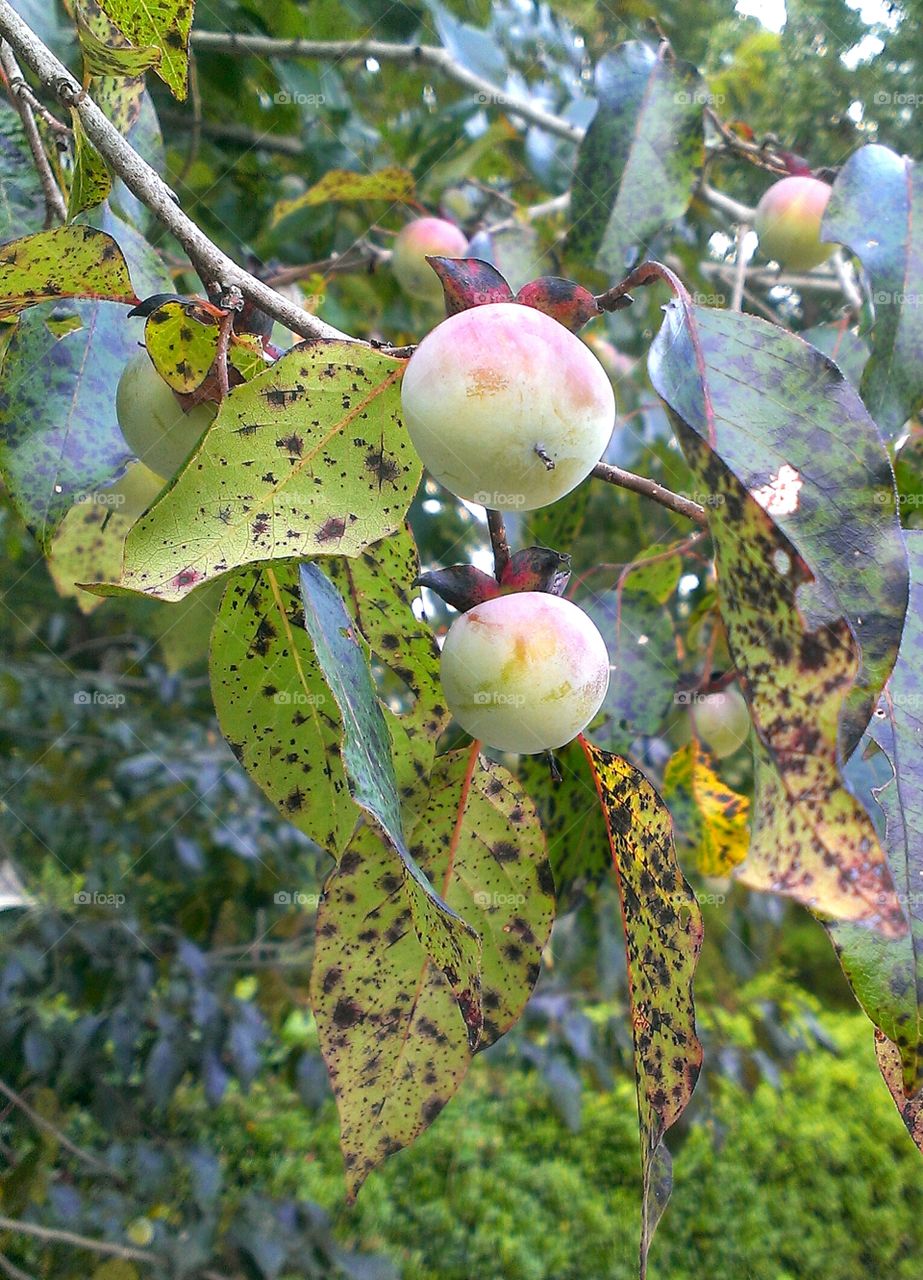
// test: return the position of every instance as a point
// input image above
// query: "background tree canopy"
(241, 832)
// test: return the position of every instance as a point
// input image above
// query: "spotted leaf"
(795, 434)
(910, 1108)
(716, 816)
(663, 936)
(163, 25)
(469, 282)
(91, 181)
(182, 342)
(347, 185)
(308, 458)
(570, 304)
(636, 167)
(391, 1034)
(876, 208)
(366, 751)
(67, 262)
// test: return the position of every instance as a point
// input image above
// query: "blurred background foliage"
(156, 922)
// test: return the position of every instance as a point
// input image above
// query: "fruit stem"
(498, 542)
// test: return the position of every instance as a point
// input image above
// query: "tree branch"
(423, 55)
(650, 489)
(210, 262)
(47, 1127)
(498, 541)
(54, 201)
(56, 1236)
(11, 1270)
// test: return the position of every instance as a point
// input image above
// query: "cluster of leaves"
(432, 925)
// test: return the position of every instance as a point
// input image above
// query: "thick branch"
(54, 201)
(144, 182)
(423, 55)
(650, 489)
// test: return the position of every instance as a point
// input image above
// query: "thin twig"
(740, 267)
(145, 183)
(498, 541)
(415, 54)
(10, 1269)
(237, 134)
(650, 489)
(62, 1139)
(56, 1235)
(55, 208)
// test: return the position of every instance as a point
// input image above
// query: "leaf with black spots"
(570, 304)
(393, 184)
(67, 262)
(390, 1031)
(794, 433)
(910, 1108)
(308, 458)
(886, 973)
(274, 705)
(182, 341)
(366, 753)
(637, 164)
(876, 209)
(163, 25)
(91, 180)
(105, 50)
(59, 434)
(716, 816)
(810, 838)
(663, 937)
(469, 282)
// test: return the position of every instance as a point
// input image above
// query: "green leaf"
(663, 937)
(390, 1031)
(887, 974)
(716, 816)
(91, 181)
(67, 262)
(876, 208)
(308, 458)
(796, 435)
(637, 164)
(366, 752)
(105, 53)
(274, 706)
(22, 205)
(182, 342)
(344, 185)
(59, 435)
(163, 24)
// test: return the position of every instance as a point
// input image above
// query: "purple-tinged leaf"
(536, 569)
(570, 304)
(469, 282)
(461, 585)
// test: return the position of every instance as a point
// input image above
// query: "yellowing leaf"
(392, 184)
(718, 815)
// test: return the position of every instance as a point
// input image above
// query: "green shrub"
(818, 1179)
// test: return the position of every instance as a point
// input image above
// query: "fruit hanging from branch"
(721, 720)
(524, 672)
(414, 242)
(788, 221)
(506, 407)
(155, 425)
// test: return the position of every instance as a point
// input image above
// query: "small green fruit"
(152, 419)
(425, 236)
(721, 721)
(788, 221)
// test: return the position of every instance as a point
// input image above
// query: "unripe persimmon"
(506, 407)
(788, 221)
(413, 243)
(153, 421)
(721, 721)
(524, 672)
